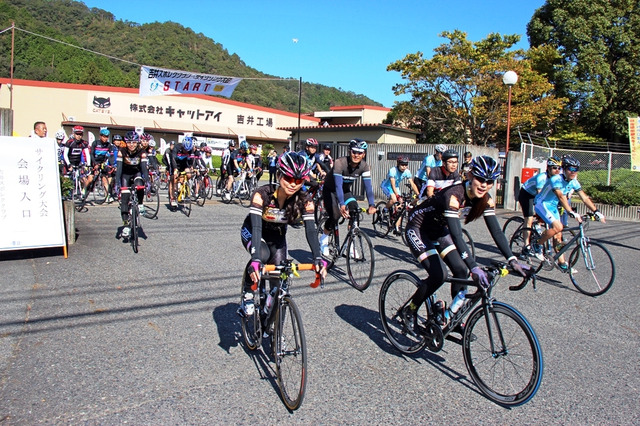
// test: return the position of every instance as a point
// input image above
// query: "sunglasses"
(554, 167)
(483, 180)
(573, 168)
(357, 152)
(293, 180)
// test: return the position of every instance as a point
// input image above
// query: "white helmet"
(152, 143)
(60, 134)
(441, 148)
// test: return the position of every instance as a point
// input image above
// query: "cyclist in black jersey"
(443, 176)
(434, 233)
(336, 192)
(273, 208)
(102, 156)
(76, 153)
(132, 170)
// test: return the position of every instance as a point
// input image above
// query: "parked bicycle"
(590, 265)
(356, 248)
(501, 350)
(277, 316)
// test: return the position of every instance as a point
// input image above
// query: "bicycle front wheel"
(290, 353)
(134, 227)
(502, 354)
(592, 269)
(360, 260)
(395, 294)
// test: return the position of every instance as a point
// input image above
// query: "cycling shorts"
(548, 212)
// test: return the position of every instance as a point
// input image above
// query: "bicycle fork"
(585, 248)
(488, 316)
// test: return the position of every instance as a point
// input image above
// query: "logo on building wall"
(101, 105)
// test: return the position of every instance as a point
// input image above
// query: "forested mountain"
(168, 45)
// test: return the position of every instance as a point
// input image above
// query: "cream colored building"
(215, 119)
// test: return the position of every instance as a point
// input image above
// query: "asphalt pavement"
(111, 337)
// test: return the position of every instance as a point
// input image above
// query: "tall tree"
(597, 62)
(458, 96)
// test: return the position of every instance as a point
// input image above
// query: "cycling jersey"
(102, 153)
(342, 177)
(535, 183)
(181, 158)
(548, 196)
(429, 161)
(439, 179)
(398, 176)
(77, 152)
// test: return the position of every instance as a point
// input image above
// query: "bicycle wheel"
(133, 237)
(318, 211)
(518, 244)
(395, 294)
(201, 195)
(244, 196)
(290, 353)
(99, 193)
(208, 186)
(360, 260)
(251, 327)
(467, 239)
(502, 354)
(592, 269)
(381, 220)
(512, 225)
(151, 201)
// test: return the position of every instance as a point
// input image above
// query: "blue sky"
(346, 44)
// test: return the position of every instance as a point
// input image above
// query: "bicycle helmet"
(468, 154)
(326, 146)
(207, 149)
(402, 160)
(485, 167)
(448, 154)
(131, 136)
(253, 146)
(117, 138)
(146, 137)
(293, 165)
(232, 143)
(440, 148)
(152, 143)
(553, 161)
(78, 130)
(244, 145)
(568, 161)
(187, 143)
(311, 142)
(203, 144)
(358, 145)
(60, 134)
(104, 132)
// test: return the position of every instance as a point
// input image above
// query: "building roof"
(337, 127)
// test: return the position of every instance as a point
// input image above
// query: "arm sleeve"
(368, 187)
(119, 171)
(66, 155)
(312, 236)
(256, 233)
(92, 150)
(497, 234)
(144, 168)
(453, 222)
(339, 190)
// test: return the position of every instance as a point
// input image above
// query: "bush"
(614, 195)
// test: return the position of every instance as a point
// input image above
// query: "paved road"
(108, 337)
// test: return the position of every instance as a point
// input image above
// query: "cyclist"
(60, 146)
(429, 162)
(555, 191)
(325, 157)
(234, 163)
(264, 230)
(310, 152)
(76, 153)
(434, 233)
(391, 184)
(254, 162)
(102, 156)
(528, 192)
(466, 165)
(336, 191)
(443, 176)
(182, 157)
(149, 145)
(131, 170)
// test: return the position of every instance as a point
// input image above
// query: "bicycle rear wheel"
(290, 353)
(380, 221)
(151, 201)
(133, 237)
(502, 354)
(518, 247)
(395, 294)
(99, 192)
(512, 225)
(360, 260)
(592, 269)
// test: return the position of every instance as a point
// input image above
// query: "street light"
(509, 78)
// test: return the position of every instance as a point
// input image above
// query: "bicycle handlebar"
(292, 268)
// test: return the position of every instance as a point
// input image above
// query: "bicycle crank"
(434, 336)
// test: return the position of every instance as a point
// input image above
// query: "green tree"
(458, 96)
(597, 45)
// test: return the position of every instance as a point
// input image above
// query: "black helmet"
(403, 160)
(448, 154)
(568, 161)
(326, 146)
(117, 137)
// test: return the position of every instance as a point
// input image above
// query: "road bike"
(356, 248)
(198, 190)
(78, 177)
(501, 350)
(239, 190)
(590, 265)
(277, 316)
(182, 194)
(134, 218)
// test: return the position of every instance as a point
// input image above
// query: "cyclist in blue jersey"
(555, 191)
(391, 184)
(102, 156)
(336, 192)
(528, 192)
(429, 162)
(182, 157)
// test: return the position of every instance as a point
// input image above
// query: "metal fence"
(596, 167)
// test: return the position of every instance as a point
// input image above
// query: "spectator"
(40, 129)
(273, 161)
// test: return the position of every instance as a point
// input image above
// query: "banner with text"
(30, 201)
(159, 81)
(634, 142)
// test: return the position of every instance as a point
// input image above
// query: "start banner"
(160, 81)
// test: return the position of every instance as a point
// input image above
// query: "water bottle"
(456, 304)
(270, 296)
(538, 228)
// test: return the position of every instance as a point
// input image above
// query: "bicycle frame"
(354, 222)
